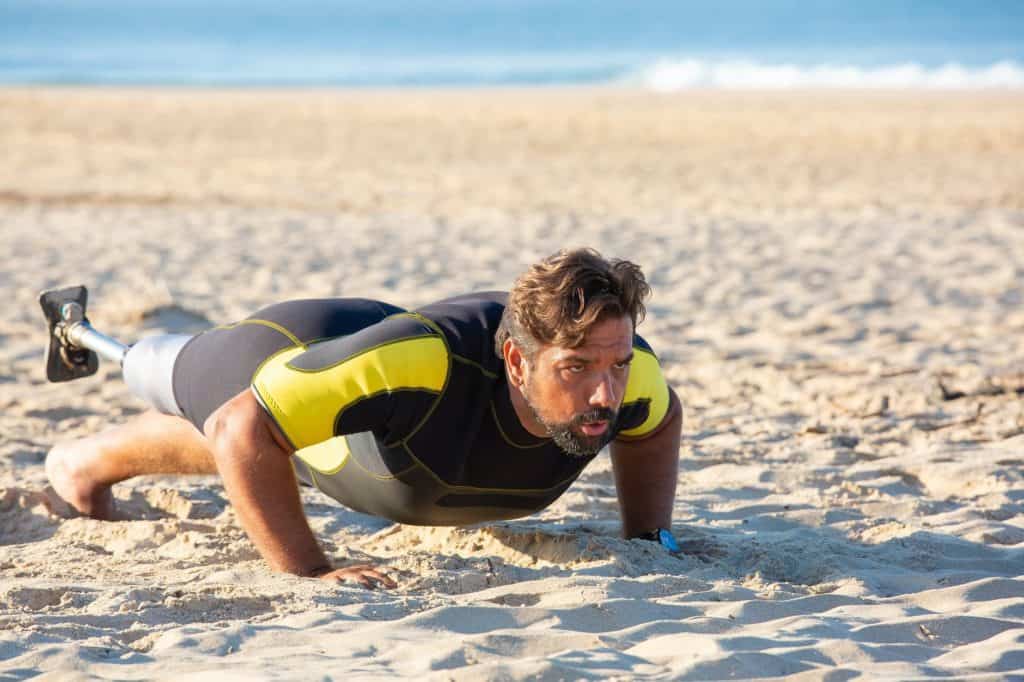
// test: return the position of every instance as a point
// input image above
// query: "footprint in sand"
(173, 319)
(30, 515)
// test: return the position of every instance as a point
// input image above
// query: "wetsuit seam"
(266, 409)
(504, 436)
(280, 328)
(357, 354)
(641, 402)
(486, 372)
(379, 477)
(451, 487)
(384, 391)
(271, 357)
(638, 349)
(316, 483)
(335, 470)
(447, 377)
(638, 401)
(319, 339)
(264, 400)
(174, 376)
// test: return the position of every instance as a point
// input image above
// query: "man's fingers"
(382, 578)
(370, 571)
(367, 575)
(364, 574)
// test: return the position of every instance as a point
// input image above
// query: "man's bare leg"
(82, 471)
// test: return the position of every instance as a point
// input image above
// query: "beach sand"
(838, 299)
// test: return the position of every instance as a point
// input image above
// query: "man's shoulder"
(468, 324)
(639, 343)
(469, 306)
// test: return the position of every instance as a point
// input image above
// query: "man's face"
(575, 393)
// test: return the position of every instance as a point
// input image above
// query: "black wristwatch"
(662, 537)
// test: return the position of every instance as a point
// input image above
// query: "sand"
(838, 299)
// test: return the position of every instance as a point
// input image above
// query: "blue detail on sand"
(667, 540)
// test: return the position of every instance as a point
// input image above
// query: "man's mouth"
(593, 429)
(585, 434)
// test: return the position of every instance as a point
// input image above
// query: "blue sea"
(666, 46)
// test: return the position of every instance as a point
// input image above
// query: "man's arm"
(253, 459)
(645, 474)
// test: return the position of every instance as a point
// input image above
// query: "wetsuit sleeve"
(647, 399)
(361, 382)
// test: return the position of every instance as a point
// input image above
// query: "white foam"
(673, 75)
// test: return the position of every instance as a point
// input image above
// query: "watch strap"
(663, 537)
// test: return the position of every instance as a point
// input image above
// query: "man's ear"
(515, 362)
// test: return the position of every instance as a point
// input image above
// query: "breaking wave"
(674, 75)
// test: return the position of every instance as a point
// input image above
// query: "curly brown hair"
(560, 298)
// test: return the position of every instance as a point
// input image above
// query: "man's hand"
(646, 470)
(366, 575)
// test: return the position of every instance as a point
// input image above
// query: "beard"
(567, 436)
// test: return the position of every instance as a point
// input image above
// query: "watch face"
(667, 540)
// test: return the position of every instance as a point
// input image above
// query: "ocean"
(665, 46)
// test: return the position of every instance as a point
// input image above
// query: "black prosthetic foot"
(64, 361)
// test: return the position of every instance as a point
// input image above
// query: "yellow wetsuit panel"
(306, 404)
(646, 382)
(327, 457)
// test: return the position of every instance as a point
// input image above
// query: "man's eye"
(622, 365)
(575, 369)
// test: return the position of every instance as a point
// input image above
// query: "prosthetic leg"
(75, 349)
(74, 344)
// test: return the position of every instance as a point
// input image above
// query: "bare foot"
(68, 466)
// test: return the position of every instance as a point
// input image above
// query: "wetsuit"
(404, 415)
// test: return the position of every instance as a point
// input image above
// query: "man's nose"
(603, 394)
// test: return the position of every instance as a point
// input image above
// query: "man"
(476, 408)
